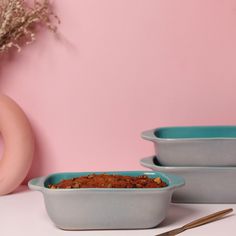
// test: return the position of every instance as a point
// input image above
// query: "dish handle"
(176, 181)
(147, 162)
(37, 184)
(149, 135)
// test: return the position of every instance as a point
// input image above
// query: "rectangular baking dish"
(203, 184)
(106, 208)
(194, 145)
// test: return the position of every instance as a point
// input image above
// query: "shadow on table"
(20, 189)
(177, 213)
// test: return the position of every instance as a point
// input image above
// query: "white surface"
(23, 214)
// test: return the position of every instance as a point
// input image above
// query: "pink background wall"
(121, 67)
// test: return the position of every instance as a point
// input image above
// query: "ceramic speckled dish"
(106, 208)
(203, 184)
(194, 145)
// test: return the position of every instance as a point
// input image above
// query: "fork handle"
(207, 219)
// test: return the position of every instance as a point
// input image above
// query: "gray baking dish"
(106, 208)
(194, 145)
(203, 184)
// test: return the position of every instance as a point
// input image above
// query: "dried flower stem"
(18, 22)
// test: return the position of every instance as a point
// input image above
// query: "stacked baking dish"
(204, 155)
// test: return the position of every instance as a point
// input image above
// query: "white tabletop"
(23, 214)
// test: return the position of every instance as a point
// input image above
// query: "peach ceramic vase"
(18, 145)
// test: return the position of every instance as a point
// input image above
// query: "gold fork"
(198, 222)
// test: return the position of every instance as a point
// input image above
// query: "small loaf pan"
(106, 208)
(203, 184)
(194, 145)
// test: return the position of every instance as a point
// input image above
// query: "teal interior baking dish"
(193, 132)
(194, 145)
(106, 208)
(203, 184)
